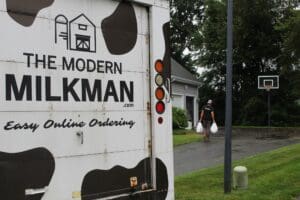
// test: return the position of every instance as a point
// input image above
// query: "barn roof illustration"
(82, 16)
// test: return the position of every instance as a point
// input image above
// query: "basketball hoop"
(268, 82)
(268, 88)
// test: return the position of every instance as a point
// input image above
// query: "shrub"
(179, 118)
(255, 112)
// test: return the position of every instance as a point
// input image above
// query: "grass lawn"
(273, 175)
(182, 136)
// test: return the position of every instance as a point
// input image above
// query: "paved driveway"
(201, 155)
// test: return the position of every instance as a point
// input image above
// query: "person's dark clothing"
(208, 109)
(206, 124)
(206, 117)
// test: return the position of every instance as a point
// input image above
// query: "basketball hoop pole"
(268, 89)
(268, 83)
(269, 107)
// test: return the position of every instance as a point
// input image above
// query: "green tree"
(290, 58)
(186, 16)
(250, 112)
(259, 44)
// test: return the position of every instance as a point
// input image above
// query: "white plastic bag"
(214, 128)
(199, 128)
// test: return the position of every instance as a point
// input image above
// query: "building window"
(82, 27)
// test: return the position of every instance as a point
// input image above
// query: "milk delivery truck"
(85, 100)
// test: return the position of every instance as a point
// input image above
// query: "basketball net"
(268, 87)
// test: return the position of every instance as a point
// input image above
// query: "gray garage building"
(185, 91)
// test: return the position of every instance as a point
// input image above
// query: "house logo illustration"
(79, 34)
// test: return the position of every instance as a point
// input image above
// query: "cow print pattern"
(32, 169)
(24, 12)
(116, 181)
(120, 29)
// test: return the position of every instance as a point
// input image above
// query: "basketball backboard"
(268, 82)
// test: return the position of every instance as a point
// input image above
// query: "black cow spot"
(116, 181)
(24, 12)
(120, 29)
(31, 169)
(167, 56)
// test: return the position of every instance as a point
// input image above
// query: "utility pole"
(228, 117)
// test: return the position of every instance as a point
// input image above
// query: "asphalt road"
(201, 155)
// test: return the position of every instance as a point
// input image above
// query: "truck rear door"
(75, 100)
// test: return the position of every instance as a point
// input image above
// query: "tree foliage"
(291, 46)
(266, 41)
(186, 16)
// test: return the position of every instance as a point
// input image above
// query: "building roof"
(180, 74)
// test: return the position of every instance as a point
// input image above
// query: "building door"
(83, 42)
(190, 108)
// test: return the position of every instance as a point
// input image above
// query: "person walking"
(207, 116)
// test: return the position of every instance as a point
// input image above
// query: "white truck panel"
(77, 104)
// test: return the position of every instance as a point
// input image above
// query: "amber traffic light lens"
(159, 93)
(159, 66)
